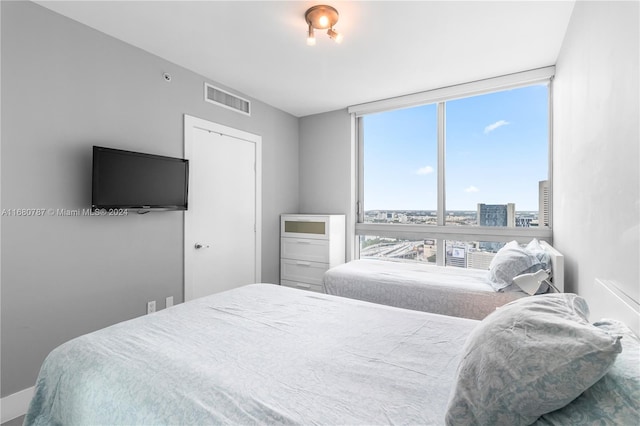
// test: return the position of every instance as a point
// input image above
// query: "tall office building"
(543, 203)
(497, 214)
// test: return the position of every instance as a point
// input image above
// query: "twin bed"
(267, 354)
(459, 292)
(442, 290)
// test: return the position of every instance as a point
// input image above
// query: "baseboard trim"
(15, 405)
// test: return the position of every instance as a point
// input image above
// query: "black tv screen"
(134, 180)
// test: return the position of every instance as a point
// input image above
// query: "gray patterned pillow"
(528, 358)
(534, 247)
(509, 262)
(612, 400)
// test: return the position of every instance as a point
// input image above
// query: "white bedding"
(257, 354)
(265, 354)
(442, 290)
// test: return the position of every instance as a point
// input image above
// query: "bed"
(459, 292)
(267, 354)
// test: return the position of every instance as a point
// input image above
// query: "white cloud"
(426, 170)
(492, 127)
(471, 189)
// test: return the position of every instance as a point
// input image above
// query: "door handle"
(199, 246)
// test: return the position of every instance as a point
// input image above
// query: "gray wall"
(325, 163)
(66, 87)
(326, 158)
(596, 159)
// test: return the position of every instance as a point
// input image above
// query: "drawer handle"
(303, 263)
(303, 285)
(303, 242)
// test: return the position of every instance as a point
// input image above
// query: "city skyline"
(522, 218)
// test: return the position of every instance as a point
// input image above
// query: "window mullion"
(360, 171)
(441, 158)
(440, 248)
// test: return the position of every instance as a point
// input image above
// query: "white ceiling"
(390, 48)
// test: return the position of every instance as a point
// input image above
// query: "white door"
(222, 241)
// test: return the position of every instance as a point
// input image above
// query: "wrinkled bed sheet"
(257, 354)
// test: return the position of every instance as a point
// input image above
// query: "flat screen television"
(134, 180)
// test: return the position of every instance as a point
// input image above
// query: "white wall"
(596, 158)
(66, 87)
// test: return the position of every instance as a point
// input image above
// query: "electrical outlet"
(169, 301)
(151, 307)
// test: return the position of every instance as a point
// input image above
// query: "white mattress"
(259, 354)
(442, 290)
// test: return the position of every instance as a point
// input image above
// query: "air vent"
(225, 99)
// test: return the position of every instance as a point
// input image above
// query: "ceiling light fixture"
(322, 17)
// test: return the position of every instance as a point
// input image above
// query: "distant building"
(543, 203)
(429, 250)
(479, 259)
(456, 256)
(497, 214)
(524, 221)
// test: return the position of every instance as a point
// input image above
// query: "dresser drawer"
(305, 226)
(302, 271)
(303, 286)
(305, 249)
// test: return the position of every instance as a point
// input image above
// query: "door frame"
(191, 123)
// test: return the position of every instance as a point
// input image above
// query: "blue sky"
(496, 153)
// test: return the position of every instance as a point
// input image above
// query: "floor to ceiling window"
(450, 181)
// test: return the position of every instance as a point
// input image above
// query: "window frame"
(441, 231)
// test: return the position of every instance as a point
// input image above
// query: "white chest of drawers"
(310, 244)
